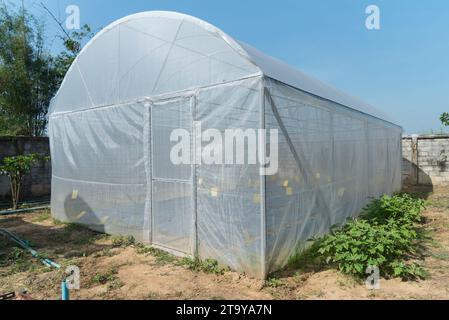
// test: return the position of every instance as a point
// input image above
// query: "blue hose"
(65, 293)
(25, 244)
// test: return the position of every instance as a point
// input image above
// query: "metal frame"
(151, 179)
(263, 213)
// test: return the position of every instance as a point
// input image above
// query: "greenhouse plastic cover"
(150, 73)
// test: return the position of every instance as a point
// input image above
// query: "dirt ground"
(114, 270)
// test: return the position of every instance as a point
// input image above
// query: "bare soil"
(109, 271)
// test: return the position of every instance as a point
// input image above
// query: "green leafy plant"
(105, 277)
(122, 241)
(444, 118)
(274, 283)
(386, 235)
(30, 73)
(401, 209)
(16, 168)
(206, 266)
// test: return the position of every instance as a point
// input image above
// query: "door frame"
(148, 146)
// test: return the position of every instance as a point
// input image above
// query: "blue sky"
(402, 69)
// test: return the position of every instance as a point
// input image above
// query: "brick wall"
(38, 182)
(425, 160)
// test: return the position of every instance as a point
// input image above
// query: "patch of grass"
(122, 241)
(207, 266)
(57, 222)
(42, 216)
(115, 284)
(18, 260)
(197, 265)
(162, 257)
(109, 275)
(106, 252)
(274, 283)
(440, 202)
(443, 255)
(143, 249)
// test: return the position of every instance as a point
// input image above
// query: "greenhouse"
(147, 75)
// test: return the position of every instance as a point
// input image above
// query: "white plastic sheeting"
(150, 73)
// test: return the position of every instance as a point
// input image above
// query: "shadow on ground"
(52, 239)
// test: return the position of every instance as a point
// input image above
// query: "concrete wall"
(426, 160)
(38, 182)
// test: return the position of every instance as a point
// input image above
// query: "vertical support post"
(148, 152)
(193, 155)
(262, 160)
(150, 159)
(368, 159)
(332, 133)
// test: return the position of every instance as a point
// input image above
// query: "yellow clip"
(74, 194)
(289, 191)
(104, 220)
(256, 198)
(214, 192)
(82, 214)
(286, 183)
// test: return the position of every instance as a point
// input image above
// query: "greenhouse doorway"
(173, 218)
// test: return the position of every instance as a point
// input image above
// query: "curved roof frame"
(268, 66)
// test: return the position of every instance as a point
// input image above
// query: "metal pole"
(263, 218)
(194, 176)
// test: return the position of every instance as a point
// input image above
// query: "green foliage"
(122, 241)
(19, 260)
(445, 119)
(16, 168)
(104, 277)
(162, 257)
(72, 44)
(42, 216)
(274, 283)
(207, 266)
(193, 264)
(28, 77)
(386, 236)
(402, 209)
(29, 74)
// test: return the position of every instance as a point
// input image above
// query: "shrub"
(403, 209)
(16, 168)
(385, 236)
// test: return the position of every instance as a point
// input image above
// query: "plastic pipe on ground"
(65, 293)
(24, 244)
(8, 212)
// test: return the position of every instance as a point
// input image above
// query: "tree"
(72, 45)
(29, 74)
(445, 119)
(16, 168)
